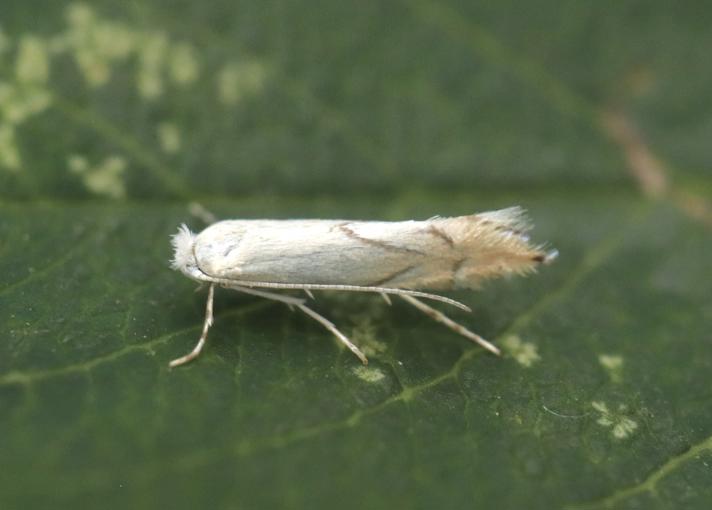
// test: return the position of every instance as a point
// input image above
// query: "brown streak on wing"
(338, 226)
(499, 228)
(435, 231)
(382, 282)
(375, 242)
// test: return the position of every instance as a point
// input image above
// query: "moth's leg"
(308, 293)
(330, 326)
(444, 319)
(299, 303)
(206, 326)
(386, 298)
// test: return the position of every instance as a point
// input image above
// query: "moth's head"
(183, 255)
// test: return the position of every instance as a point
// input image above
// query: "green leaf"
(114, 117)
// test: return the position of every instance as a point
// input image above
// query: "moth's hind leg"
(299, 303)
(338, 334)
(204, 336)
(447, 321)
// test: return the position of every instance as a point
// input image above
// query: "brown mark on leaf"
(647, 170)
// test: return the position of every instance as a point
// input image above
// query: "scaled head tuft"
(182, 242)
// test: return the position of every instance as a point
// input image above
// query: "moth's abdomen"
(490, 245)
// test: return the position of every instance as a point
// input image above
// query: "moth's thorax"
(217, 249)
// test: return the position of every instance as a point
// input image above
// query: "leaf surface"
(114, 117)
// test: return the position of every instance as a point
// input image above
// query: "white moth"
(368, 256)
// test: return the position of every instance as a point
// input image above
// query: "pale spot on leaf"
(113, 40)
(601, 407)
(95, 70)
(9, 153)
(613, 365)
(169, 137)
(103, 179)
(183, 65)
(524, 353)
(79, 14)
(95, 43)
(624, 428)
(605, 421)
(32, 62)
(77, 164)
(621, 425)
(237, 80)
(19, 102)
(370, 375)
(152, 56)
(364, 335)
(373, 347)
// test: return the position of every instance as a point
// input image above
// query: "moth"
(403, 258)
